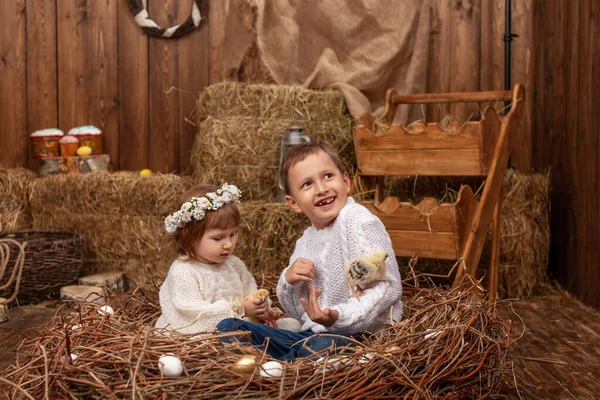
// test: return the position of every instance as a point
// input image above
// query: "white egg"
(365, 358)
(271, 369)
(75, 327)
(432, 334)
(106, 310)
(170, 365)
(325, 364)
(73, 357)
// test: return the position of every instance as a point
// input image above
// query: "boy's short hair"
(228, 216)
(299, 152)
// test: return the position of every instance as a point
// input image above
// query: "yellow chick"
(364, 270)
(273, 312)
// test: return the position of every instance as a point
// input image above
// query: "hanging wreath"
(138, 8)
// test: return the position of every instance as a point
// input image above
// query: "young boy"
(312, 289)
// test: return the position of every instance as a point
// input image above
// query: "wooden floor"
(556, 355)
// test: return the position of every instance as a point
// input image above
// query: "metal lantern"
(294, 135)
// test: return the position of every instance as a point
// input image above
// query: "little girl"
(207, 283)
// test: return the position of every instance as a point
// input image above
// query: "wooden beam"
(101, 74)
(13, 96)
(432, 138)
(42, 77)
(452, 162)
(164, 108)
(134, 138)
(424, 244)
(193, 53)
(407, 217)
(464, 65)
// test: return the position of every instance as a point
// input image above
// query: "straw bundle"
(121, 216)
(268, 235)
(240, 129)
(15, 188)
(450, 345)
(525, 229)
(229, 99)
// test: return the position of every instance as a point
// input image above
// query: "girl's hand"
(302, 270)
(255, 307)
(326, 317)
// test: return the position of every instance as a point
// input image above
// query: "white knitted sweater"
(195, 297)
(355, 232)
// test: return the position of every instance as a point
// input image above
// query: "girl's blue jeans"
(287, 345)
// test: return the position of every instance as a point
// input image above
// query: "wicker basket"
(52, 259)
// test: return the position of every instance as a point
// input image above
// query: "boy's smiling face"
(318, 189)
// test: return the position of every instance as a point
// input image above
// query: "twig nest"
(271, 369)
(245, 365)
(170, 365)
(326, 365)
(106, 310)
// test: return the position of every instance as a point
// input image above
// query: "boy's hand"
(255, 307)
(326, 317)
(302, 270)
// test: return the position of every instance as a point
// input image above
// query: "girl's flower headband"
(197, 207)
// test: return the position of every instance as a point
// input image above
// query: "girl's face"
(216, 245)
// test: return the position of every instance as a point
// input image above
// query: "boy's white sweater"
(195, 296)
(355, 232)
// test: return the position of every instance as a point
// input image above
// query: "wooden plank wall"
(72, 62)
(566, 123)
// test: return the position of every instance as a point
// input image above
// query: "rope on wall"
(140, 13)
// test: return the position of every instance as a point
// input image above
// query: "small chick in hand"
(273, 313)
(364, 270)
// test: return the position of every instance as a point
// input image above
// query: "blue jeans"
(287, 345)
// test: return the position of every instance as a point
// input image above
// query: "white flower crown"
(197, 207)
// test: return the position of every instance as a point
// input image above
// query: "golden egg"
(84, 151)
(145, 171)
(245, 365)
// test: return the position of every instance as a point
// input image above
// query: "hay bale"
(229, 99)
(121, 216)
(268, 235)
(525, 231)
(106, 193)
(15, 189)
(240, 143)
(450, 343)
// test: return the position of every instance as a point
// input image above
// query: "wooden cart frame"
(455, 231)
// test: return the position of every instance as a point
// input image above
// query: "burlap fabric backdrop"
(361, 48)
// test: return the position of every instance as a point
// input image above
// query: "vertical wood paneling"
(522, 72)
(589, 112)
(193, 55)
(464, 66)
(133, 92)
(567, 183)
(13, 90)
(438, 73)
(163, 107)
(42, 95)
(492, 45)
(72, 53)
(101, 73)
(217, 13)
